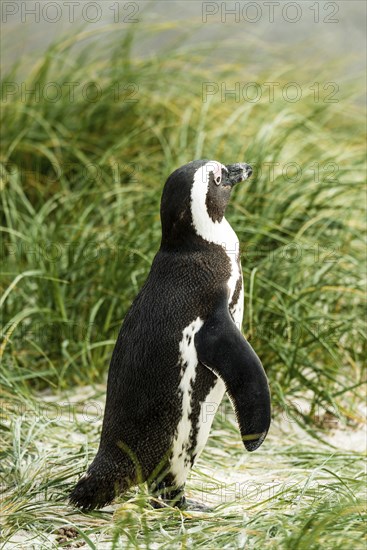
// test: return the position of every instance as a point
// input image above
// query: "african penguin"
(179, 349)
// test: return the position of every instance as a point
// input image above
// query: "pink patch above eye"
(216, 168)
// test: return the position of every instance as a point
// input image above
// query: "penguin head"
(195, 198)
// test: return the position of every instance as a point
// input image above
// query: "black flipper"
(221, 347)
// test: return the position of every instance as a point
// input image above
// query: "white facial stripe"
(214, 232)
(216, 168)
(204, 226)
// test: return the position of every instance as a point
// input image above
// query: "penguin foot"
(165, 494)
(194, 505)
(183, 504)
(157, 504)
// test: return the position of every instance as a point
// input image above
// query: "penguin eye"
(218, 180)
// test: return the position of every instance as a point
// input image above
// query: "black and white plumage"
(180, 348)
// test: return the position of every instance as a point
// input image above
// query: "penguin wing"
(221, 347)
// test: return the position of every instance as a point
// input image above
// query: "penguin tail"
(103, 481)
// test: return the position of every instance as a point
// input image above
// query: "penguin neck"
(213, 231)
(194, 236)
(185, 241)
(217, 233)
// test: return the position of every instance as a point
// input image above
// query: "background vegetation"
(80, 192)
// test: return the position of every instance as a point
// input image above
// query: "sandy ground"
(230, 485)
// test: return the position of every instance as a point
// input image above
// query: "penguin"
(179, 349)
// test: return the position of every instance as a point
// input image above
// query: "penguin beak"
(237, 172)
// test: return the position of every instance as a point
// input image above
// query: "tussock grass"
(80, 190)
(294, 493)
